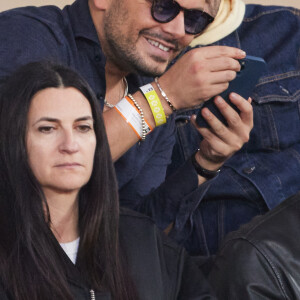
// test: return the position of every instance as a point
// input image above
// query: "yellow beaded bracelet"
(154, 103)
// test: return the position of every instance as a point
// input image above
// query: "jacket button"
(97, 58)
(248, 170)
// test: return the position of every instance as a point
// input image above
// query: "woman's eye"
(84, 128)
(46, 129)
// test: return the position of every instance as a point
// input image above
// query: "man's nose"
(175, 27)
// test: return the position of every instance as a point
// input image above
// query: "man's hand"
(200, 74)
(220, 142)
(197, 76)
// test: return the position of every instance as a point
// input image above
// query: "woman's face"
(60, 139)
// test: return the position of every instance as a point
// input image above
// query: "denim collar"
(81, 20)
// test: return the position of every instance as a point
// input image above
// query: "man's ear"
(99, 4)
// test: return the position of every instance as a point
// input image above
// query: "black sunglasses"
(195, 21)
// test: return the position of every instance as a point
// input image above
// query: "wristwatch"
(208, 174)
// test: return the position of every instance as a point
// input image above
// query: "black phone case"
(251, 69)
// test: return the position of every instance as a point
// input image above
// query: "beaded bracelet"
(154, 103)
(133, 117)
(164, 94)
(144, 131)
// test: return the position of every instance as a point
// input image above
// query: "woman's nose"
(68, 143)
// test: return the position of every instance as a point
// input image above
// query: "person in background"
(118, 46)
(266, 170)
(261, 260)
(62, 234)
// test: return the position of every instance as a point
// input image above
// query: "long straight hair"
(30, 264)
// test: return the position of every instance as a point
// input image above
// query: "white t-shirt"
(71, 249)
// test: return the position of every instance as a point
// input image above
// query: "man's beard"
(127, 60)
(121, 50)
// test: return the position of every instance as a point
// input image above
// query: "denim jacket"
(267, 169)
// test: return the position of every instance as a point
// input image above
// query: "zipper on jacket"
(92, 293)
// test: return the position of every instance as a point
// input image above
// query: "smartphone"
(252, 68)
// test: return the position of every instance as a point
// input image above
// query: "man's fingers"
(232, 117)
(204, 73)
(216, 126)
(214, 147)
(224, 63)
(221, 77)
(209, 136)
(213, 83)
(239, 124)
(236, 119)
(215, 64)
(220, 51)
(245, 108)
(238, 129)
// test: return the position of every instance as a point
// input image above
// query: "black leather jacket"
(262, 259)
(160, 269)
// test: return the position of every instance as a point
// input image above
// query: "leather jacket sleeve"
(193, 284)
(243, 271)
(3, 294)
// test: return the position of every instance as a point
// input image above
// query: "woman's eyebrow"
(85, 118)
(48, 119)
(54, 120)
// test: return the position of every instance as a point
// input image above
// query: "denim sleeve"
(144, 187)
(175, 199)
(271, 159)
(276, 174)
(25, 39)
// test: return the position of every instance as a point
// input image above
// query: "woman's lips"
(68, 165)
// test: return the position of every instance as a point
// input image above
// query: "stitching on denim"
(221, 213)
(237, 182)
(277, 179)
(295, 154)
(260, 205)
(181, 136)
(203, 235)
(292, 98)
(276, 77)
(294, 11)
(267, 170)
(272, 126)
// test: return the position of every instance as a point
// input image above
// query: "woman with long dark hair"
(61, 233)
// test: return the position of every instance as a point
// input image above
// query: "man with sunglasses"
(119, 46)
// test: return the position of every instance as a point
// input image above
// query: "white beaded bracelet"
(144, 127)
(130, 111)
